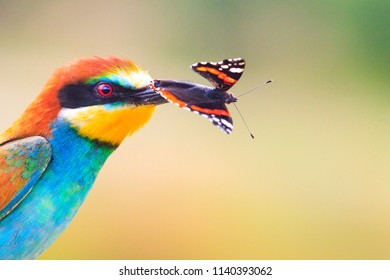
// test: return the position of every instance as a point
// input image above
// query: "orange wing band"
(218, 73)
(217, 112)
(172, 98)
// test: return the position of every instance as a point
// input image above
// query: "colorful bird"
(51, 155)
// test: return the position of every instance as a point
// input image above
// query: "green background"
(314, 184)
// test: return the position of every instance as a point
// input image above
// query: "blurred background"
(313, 184)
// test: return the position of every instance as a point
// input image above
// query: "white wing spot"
(216, 120)
(236, 70)
(226, 123)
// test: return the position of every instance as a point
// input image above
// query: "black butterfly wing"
(223, 74)
(205, 101)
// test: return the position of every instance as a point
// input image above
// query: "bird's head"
(103, 99)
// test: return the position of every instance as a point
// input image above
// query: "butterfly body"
(209, 102)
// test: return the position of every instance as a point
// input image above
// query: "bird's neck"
(65, 140)
(76, 158)
(76, 162)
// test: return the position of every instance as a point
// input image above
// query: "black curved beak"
(145, 96)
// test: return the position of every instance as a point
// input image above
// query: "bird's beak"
(146, 96)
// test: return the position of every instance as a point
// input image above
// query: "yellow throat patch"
(109, 125)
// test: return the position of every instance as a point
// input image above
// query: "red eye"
(105, 90)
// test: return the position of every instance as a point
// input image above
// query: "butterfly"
(209, 102)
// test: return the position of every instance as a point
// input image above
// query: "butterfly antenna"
(256, 87)
(253, 137)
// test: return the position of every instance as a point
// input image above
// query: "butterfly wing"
(206, 101)
(223, 74)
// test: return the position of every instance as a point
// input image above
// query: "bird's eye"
(156, 83)
(104, 89)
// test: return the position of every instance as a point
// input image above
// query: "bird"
(51, 155)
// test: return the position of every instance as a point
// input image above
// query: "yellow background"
(314, 184)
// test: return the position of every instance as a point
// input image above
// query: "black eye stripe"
(83, 95)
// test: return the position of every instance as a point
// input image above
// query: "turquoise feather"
(57, 195)
(30, 156)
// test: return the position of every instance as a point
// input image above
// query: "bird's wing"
(22, 163)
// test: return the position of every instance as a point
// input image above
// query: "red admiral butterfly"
(206, 101)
